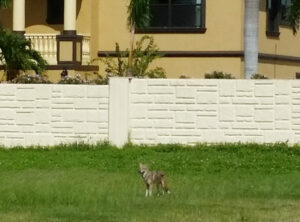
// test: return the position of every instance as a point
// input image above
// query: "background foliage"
(5, 3)
(218, 75)
(17, 55)
(144, 53)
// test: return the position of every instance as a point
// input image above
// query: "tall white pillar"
(69, 44)
(19, 16)
(119, 111)
(70, 15)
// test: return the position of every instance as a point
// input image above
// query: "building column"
(70, 17)
(19, 16)
(69, 44)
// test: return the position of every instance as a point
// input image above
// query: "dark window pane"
(274, 7)
(176, 14)
(55, 12)
(191, 18)
(192, 2)
(285, 4)
(160, 2)
(159, 16)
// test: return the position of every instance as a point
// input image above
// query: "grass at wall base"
(231, 182)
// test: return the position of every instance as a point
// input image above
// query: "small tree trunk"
(130, 57)
(11, 74)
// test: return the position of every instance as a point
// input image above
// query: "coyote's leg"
(150, 189)
(158, 190)
(147, 190)
(165, 186)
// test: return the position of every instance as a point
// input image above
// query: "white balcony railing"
(47, 46)
(86, 53)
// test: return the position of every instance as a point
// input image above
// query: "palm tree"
(251, 37)
(138, 16)
(16, 54)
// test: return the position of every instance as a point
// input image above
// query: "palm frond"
(294, 15)
(138, 13)
(17, 53)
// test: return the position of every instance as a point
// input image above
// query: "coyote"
(152, 178)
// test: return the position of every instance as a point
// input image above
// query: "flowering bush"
(42, 79)
(31, 79)
(73, 80)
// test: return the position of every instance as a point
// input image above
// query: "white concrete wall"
(151, 111)
(52, 114)
(191, 111)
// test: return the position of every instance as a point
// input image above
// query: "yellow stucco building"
(196, 36)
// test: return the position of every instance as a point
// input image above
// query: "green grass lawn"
(101, 183)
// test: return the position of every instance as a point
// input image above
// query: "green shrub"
(218, 75)
(99, 80)
(183, 77)
(258, 76)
